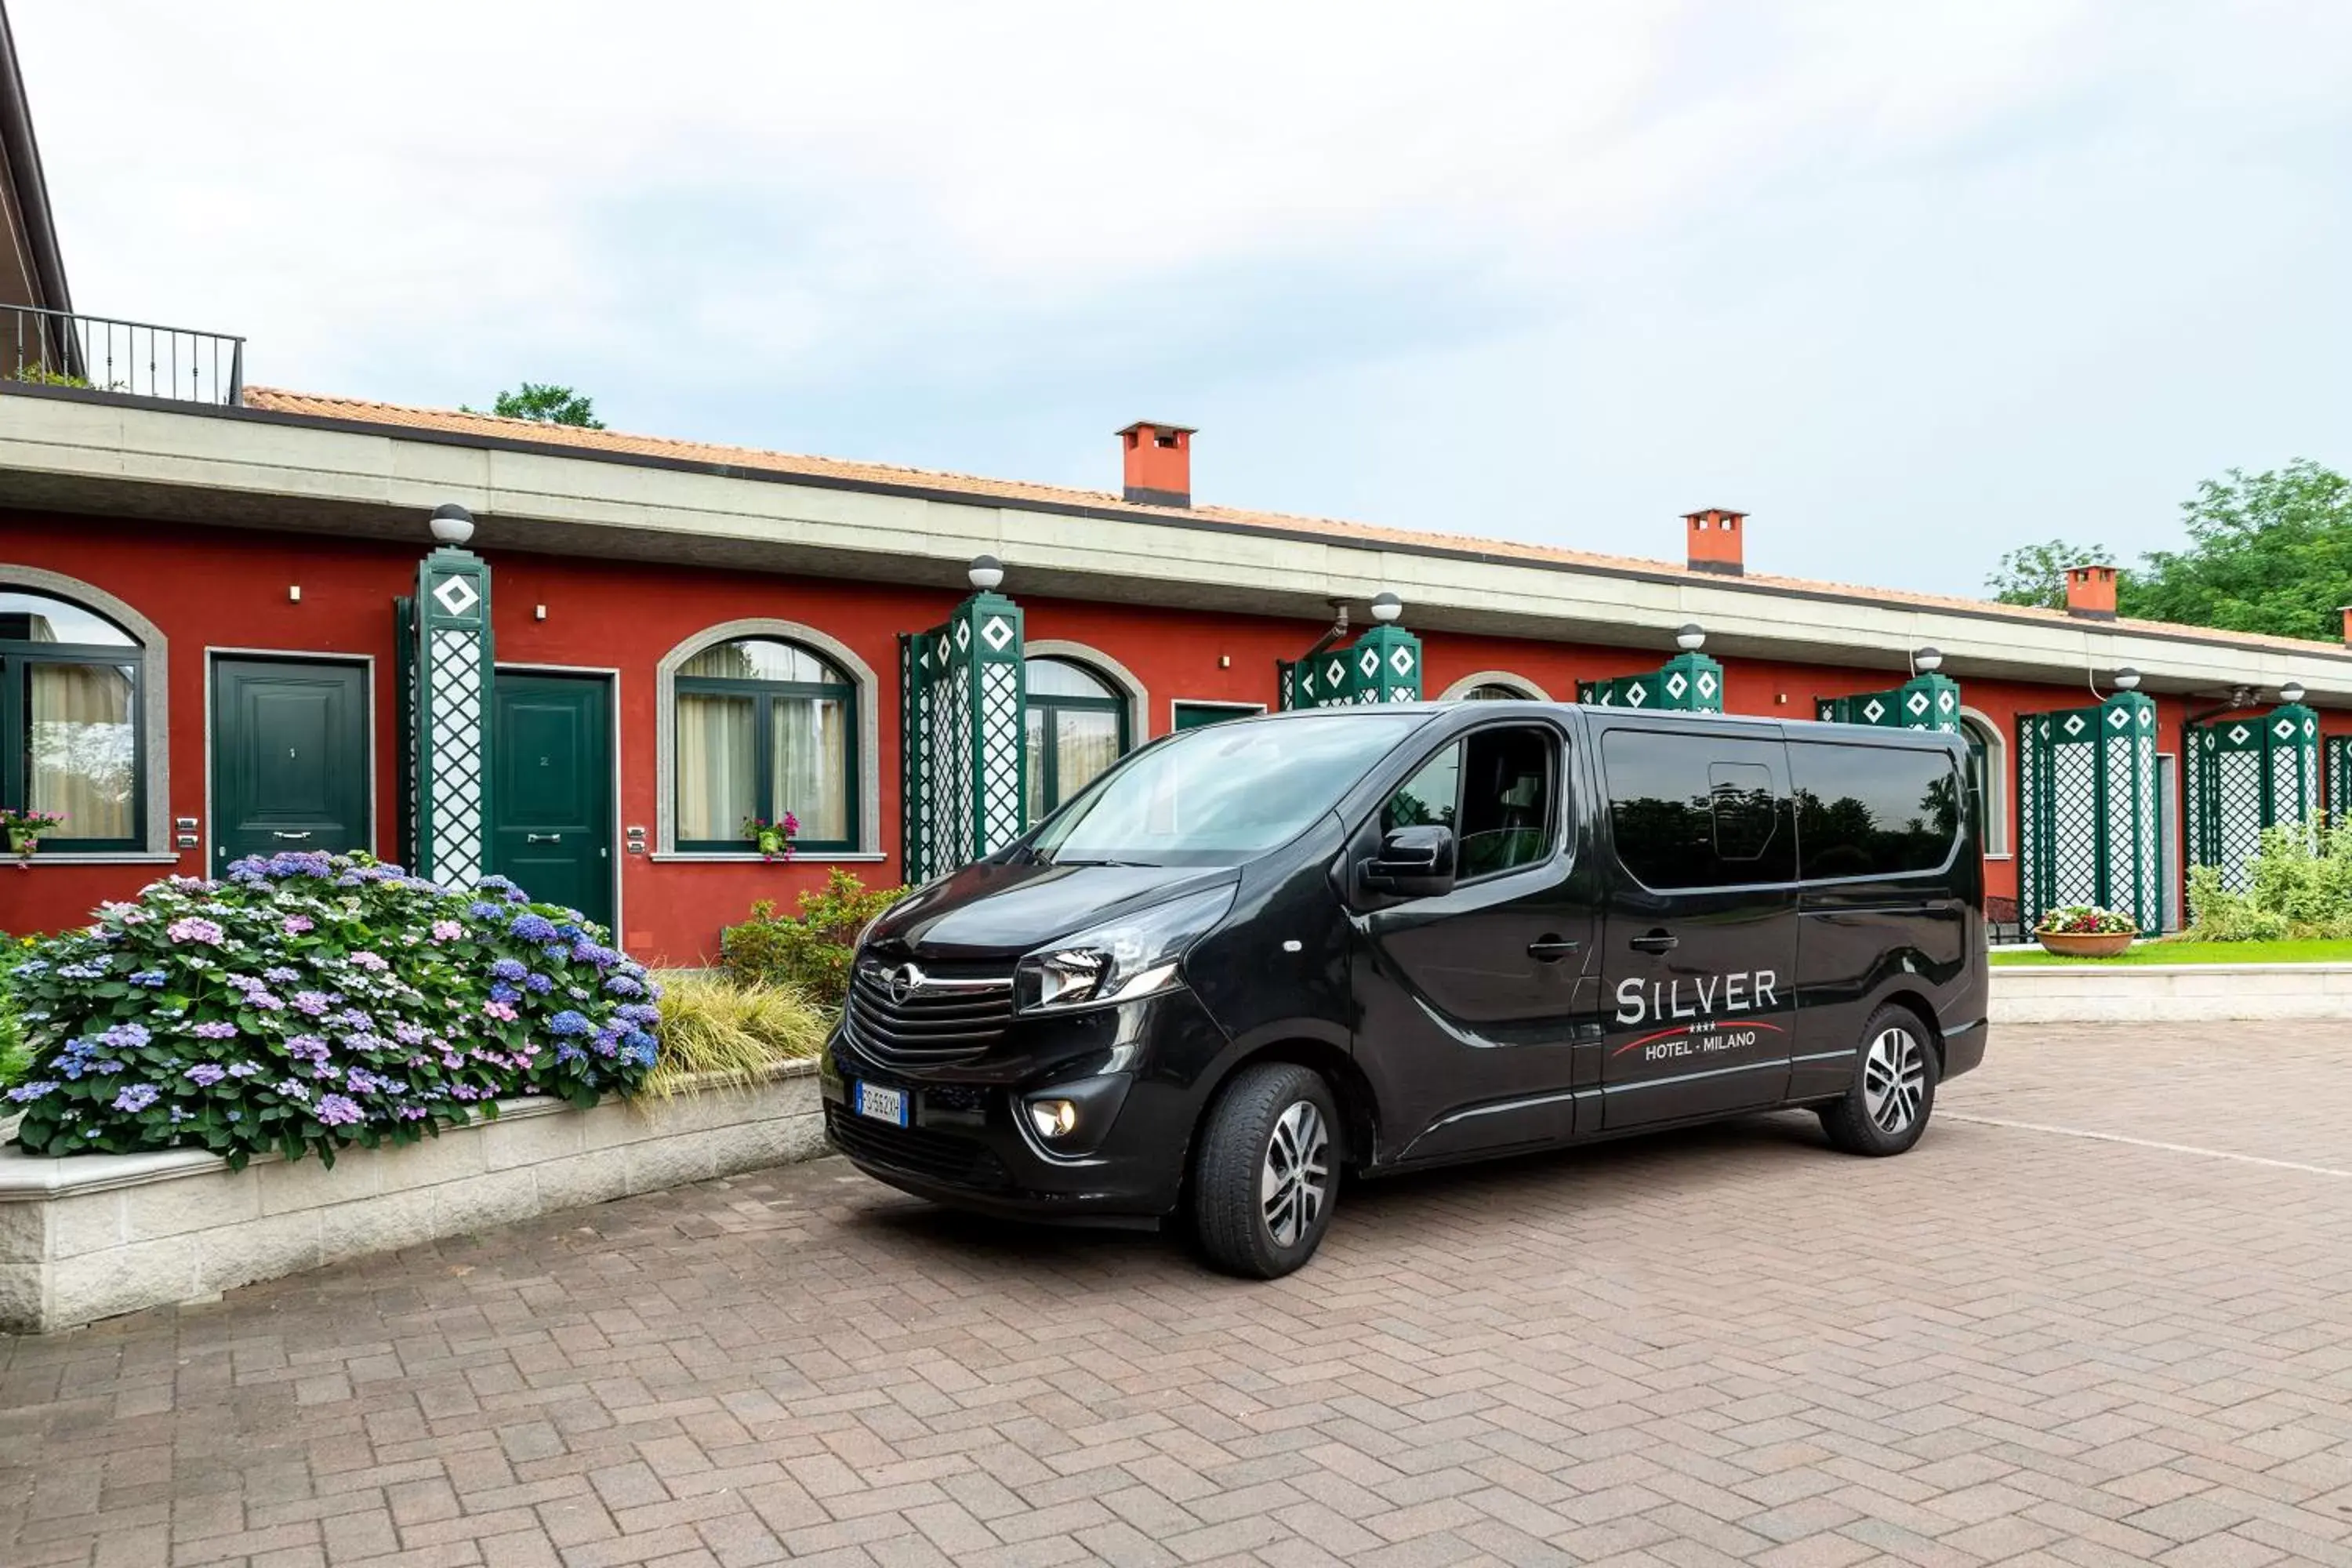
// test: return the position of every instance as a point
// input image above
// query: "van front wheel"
(1894, 1088)
(1267, 1171)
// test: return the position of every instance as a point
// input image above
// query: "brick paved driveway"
(2017, 1345)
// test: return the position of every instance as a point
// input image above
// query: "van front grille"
(919, 1150)
(901, 1016)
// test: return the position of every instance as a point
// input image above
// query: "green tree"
(546, 403)
(2267, 553)
(2036, 574)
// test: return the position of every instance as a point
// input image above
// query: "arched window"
(71, 742)
(1077, 728)
(1493, 686)
(765, 727)
(1988, 777)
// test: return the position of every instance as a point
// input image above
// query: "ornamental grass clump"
(312, 1001)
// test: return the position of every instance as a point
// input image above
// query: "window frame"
(1988, 753)
(764, 695)
(18, 660)
(1048, 757)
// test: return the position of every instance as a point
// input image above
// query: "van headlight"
(1134, 956)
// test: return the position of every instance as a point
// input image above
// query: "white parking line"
(2143, 1143)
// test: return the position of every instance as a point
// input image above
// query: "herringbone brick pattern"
(1728, 1346)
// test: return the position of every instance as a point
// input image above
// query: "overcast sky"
(1910, 283)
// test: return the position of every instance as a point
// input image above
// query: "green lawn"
(2312, 951)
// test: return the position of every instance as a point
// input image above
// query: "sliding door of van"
(1699, 939)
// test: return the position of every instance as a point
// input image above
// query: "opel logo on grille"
(905, 981)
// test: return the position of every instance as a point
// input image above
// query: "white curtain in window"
(83, 748)
(717, 763)
(1084, 744)
(811, 766)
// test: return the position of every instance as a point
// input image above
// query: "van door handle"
(1552, 949)
(1657, 942)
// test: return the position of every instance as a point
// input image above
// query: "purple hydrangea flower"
(537, 984)
(294, 1089)
(306, 1048)
(204, 1075)
(192, 927)
(244, 1069)
(136, 1098)
(373, 964)
(124, 1037)
(447, 930)
(625, 985)
(336, 1112)
(510, 970)
(482, 910)
(295, 925)
(313, 1002)
(214, 1029)
(26, 1093)
(281, 975)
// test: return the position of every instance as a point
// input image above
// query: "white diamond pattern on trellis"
(1706, 683)
(1636, 694)
(2074, 725)
(997, 633)
(2073, 806)
(2238, 815)
(456, 594)
(1873, 709)
(456, 729)
(1400, 659)
(1676, 686)
(999, 759)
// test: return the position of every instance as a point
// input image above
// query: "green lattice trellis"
(1928, 701)
(2338, 767)
(963, 786)
(450, 666)
(2246, 774)
(1383, 665)
(1687, 683)
(2087, 811)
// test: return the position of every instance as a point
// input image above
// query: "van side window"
(1696, 810)
(1497, 789)
(1874, 811)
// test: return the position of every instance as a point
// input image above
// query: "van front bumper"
(968, 1142)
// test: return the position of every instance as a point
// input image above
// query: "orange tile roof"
(616, 443)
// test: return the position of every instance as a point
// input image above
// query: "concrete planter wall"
(2168, 993)
(96, 1235)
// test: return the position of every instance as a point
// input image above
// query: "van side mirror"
(1412, 863)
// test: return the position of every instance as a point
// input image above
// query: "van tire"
(1276, 1125)
(1893, 1092)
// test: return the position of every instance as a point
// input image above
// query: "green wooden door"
(289, 757)
(551, 789)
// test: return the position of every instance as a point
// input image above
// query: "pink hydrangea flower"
(295, 925)
(502, 1011)
(192, 928)
(447, 930)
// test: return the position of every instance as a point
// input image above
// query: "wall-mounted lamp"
(985, 572)
(2127, 680)
(2290, 692)
(1691, 638)
(1386, 607)
(1927, 661)
(452, 523)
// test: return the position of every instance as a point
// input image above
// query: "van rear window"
(1697, 810)
(1874, 811)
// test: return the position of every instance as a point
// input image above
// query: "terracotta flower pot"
(2083, 944)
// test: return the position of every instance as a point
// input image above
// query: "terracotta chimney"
(1716, 539)
(2091, 591)
(1159, 463)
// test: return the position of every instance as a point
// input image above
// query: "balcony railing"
(53, 348)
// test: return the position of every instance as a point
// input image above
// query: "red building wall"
(221, 588)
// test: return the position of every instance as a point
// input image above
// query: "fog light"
(1052, 1117)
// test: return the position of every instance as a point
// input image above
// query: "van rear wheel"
(1267, 1171)
(1894, 1088)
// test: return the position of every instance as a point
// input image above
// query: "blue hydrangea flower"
(586, 952)
(26, 1093)
(502, 991)
(136, 1098)
(569, 1022)
(530, 927)
(152, 979)
(484, 911)
(537, 984)
(510, 970)
(624, 986)
(124, 1037)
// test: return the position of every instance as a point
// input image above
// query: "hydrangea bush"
(312, 1001)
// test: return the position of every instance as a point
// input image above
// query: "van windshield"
(1220, 794)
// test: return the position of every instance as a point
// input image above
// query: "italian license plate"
(882, 1104)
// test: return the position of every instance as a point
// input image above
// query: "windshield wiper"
(1136, 864)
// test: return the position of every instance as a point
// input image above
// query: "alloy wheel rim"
(1893, 1079)
(1296, 1176)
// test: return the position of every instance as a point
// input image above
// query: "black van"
(1255, 955)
